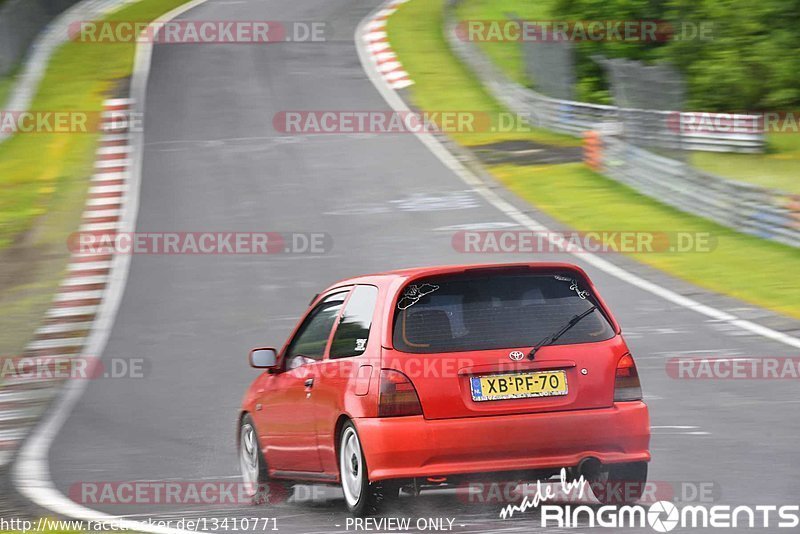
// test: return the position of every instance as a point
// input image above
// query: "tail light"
(626, 384)
(398, 396)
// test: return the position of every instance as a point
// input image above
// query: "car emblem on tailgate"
(516, 355)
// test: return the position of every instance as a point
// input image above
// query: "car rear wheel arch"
(337, 433)
(239, 421)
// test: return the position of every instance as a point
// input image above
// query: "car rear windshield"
(494, 311)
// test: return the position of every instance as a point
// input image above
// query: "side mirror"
(265, 358)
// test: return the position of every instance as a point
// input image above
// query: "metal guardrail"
(755, 210)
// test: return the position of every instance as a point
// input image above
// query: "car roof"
(438, 270)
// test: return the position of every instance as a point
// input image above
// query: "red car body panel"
(417, 447)
(298, 426)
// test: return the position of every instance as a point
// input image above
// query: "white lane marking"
(111, 137)
(114, 114)
(476, 226)
(375, 36)
(401, 84)
(103, 176)
(97, 189)
(79, 295)
(376, 25)
(83, 280)
(697, 351)
(31, 471)
(109, 163)
(389, 66)
(63, 328)
(383, 13)
(98, 227)
(383, 56)
(450, 161)
(114, 102)
(396, 75)
(113, 150)
(70, 312)
(56, 343)
(89, 266)
(102, 201)
(679, 430)
(21, 395)
(101, 213)
(378, 47)
(692, 433)
(7, 416)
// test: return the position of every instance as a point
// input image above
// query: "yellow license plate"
(519, 385)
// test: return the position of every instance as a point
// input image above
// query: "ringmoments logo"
(661, 516)
(664, 516)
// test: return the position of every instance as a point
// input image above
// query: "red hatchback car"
(437, 375)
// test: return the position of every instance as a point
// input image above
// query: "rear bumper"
(406, 447)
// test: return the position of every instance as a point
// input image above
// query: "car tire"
(620, 484)
(258, 487)
(361, 497)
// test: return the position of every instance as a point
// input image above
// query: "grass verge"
(44, 177)
(748, 268)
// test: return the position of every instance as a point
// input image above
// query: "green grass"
(745, 267)
(778, 168)
(44, 177)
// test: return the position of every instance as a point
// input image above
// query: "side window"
(352, 333)
(309, 343)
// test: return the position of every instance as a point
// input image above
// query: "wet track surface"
(214, 162)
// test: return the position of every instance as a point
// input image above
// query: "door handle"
(309, 382)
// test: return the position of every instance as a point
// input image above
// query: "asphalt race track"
(214, 162)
